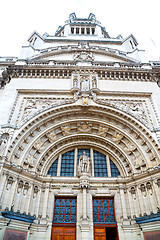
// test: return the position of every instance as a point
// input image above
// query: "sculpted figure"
(84, 164)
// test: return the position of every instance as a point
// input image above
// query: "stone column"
(37, 203)
(59, 165)
(84, 226)
(123, 202)
(141, 201)
(12, 195)
(151, 196)
(157, 191)
(92, 163)
(3, 181)
(28, 200)
(50, 208)
(131, 207)
(108, 165)
(75, 161)
(45, 201)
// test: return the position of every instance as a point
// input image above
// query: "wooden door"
(63, 233)
(99, 233)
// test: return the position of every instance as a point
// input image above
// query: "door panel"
(99, 233)
(63, 233)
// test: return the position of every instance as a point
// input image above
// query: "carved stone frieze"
(117, 137)
(31, 106)
(66, 130)
(84, 56)
(136, 108)
(84, 81)
(84, 127)
(102, 131)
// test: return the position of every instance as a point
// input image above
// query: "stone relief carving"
(84, 127)
(139, 162)
(5, 137)
(84, 164)
(117, 137)
(84, 56)
(102, 131)
(32, 106)
(84, 81)
(30, 160)
(51, 136)
(130, 147)
(66, 130)
(136, 109)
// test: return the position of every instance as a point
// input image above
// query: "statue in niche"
(3, 143)
(84, 164)
(84, 83)
(94, 82)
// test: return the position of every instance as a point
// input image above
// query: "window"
(114, 170)
(53, 169)
(77, 30)
(103, 211)
(103, 166)
(82, 30)
(67, 164)
(100, 165)
(93, 31)
(88, 30)
(72, 30)
(65, 210)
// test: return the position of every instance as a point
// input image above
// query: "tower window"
(82, 30)
(88, 30)
(132, 44)
(93, 31)
(77, 30)
(72, 30)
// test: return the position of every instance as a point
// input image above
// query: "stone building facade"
(80, 137)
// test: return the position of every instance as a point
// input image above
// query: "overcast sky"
(20, 18)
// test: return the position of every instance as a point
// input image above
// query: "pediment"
(74, 53)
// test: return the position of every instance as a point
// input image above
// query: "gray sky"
(19, 18)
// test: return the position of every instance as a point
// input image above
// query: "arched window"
(101, 164)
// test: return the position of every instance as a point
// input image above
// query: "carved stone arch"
(106, 116)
